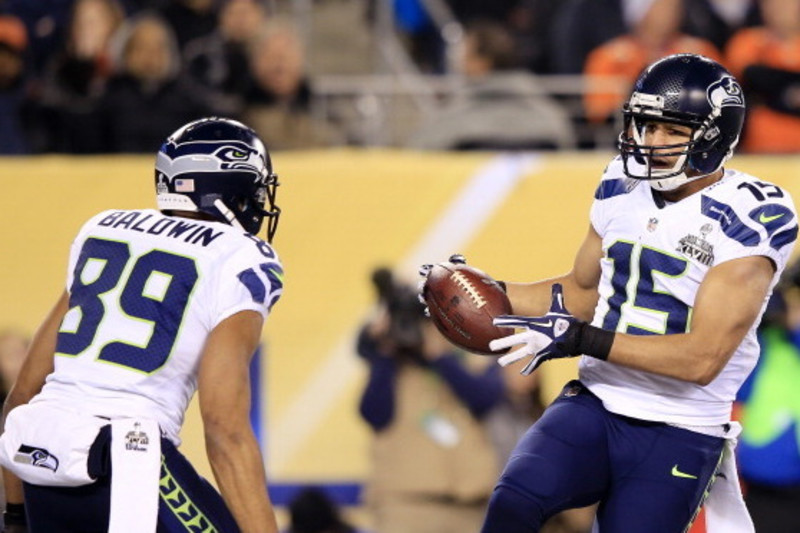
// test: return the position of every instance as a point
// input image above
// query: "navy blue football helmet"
(219, 167)
(690, 90)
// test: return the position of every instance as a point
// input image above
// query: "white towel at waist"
(725, 508)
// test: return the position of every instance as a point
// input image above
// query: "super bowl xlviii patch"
(31, 455)
(698, 248)
(136, 440)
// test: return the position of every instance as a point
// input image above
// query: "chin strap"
(673, 182)
(228, 214)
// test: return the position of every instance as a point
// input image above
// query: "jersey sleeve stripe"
(610, 188)
(788, 236)
(274, 274)
(256, 287)
(732, 226)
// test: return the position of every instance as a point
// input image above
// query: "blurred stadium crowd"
(110, 76)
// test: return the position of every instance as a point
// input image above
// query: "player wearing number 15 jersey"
(158, 304)
(662, 302)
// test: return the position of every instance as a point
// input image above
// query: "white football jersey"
(146, 289)
(655, 258)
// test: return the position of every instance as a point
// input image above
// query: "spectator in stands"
(576, 27)
(580, 26)
(279, 103)
(613, 67)
(419, 32)
(529, 22)
(432, 460)
(217, 63)
(769, 447)
(718, 20)
(46, 21)
(75, 78)
(468, 10)
(146, 96)
(190, 19)
(767, 60)
(500, 105)
(13, 86)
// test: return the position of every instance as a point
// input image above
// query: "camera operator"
(433, 464)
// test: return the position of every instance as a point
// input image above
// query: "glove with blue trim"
(552, 336)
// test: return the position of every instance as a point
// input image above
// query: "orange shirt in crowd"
(624, 58)
(766, 131)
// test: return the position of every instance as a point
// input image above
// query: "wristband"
(15, 514)
(584, 339)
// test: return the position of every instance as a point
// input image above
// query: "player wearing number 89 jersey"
(140, 314)
(158, 304)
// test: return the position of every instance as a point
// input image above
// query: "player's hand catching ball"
(425, 271)
(462, 302)
(546, 337)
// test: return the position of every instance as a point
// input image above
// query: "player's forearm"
(239, 470)
(533, 299)
(687, 357)
(721, 317)
(13, 488)
(38, 362)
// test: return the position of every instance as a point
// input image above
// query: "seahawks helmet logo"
(725, 92)
(31, 455)
(239, 157)
(173, 160)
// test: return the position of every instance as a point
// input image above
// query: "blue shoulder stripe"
(610, 188)
(256, 287)
(731, 225)
(274, 274)
(783, 238)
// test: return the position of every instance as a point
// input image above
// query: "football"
(462, 302)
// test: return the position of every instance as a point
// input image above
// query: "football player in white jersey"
(158, 304)
(662, 304)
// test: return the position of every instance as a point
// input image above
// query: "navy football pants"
(187, 501)
(648, 477)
